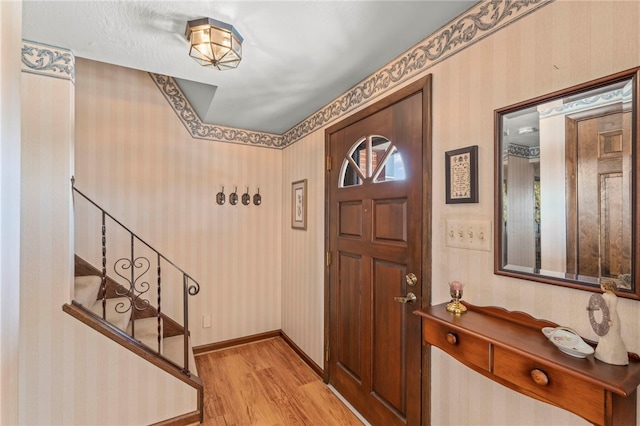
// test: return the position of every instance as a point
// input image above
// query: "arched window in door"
(372, 159)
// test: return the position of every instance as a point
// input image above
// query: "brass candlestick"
(455, 289)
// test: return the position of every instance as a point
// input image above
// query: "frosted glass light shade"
(214, 44)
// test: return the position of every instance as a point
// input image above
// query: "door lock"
(411, 279)
(410, 298)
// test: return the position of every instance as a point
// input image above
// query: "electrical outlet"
(206, 321)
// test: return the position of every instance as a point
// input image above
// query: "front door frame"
(423, 85)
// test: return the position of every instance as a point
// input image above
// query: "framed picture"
(461, 168)
(299, 204)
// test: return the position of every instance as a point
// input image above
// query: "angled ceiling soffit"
(479, 22)
(178, 101)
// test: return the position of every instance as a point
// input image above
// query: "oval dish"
(568, 341)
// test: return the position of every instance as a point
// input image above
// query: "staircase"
(157, 332)
(126, 308)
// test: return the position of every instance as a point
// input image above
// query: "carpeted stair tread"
(144, 327)
(85, 290)
(146, 331)
(174, 350)
(117, 319)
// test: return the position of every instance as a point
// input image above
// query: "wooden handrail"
(190, 286)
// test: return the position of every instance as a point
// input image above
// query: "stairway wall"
(10, 43)
(68, 373)
(136, 159)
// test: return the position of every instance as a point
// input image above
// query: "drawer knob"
(539, 377)
(452, 338)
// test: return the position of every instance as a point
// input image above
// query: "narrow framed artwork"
(461, 168)
(299, 204)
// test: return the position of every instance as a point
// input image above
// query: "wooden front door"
(599, 156)
(377, 226)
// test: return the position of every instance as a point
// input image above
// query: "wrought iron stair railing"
(133, 284)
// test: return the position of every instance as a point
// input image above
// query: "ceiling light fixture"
(526, 130)
(214, 44)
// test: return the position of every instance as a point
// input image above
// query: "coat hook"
(246, 198)
(220, 198)
(257, 198)
(233, 197)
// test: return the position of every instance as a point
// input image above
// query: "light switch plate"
(479, 235)
(469, 234)
(455, 233)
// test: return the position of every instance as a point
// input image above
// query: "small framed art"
(461, 168)
(299, 204)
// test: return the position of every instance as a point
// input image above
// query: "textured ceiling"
(297, 55)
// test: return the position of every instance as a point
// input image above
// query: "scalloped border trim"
(480, 21)
(50, 61)
(174, 95)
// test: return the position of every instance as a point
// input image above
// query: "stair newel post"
(103, 284)
(185, 285)
(159, 307)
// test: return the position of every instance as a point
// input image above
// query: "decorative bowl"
(568, 341)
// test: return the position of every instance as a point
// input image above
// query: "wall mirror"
(566, 182)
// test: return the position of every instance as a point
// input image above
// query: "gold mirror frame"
(563, 278)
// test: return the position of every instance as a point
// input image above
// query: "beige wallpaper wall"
(134, 157)
(303, 251)
(559, 45)
(10, 41)
(68, 373)
(562, 44)
(258, 274)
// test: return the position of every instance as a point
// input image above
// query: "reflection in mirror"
(565, 179)
(372, 157)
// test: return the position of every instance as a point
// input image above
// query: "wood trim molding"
(210, 347)
(199, 350)
(183, 420)
(306, 358)
(122, 338)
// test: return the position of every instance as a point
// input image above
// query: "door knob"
(410, 298)
(411, 279)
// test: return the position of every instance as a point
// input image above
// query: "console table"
(509, 348)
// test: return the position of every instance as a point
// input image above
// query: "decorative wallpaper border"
(174, 95)
(522, 151)
(622, 95)
(479, 22)
(50, 61)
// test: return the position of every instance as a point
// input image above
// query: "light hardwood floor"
(266, 383)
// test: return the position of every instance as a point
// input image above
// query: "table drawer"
(559, 387)
(465, 347)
